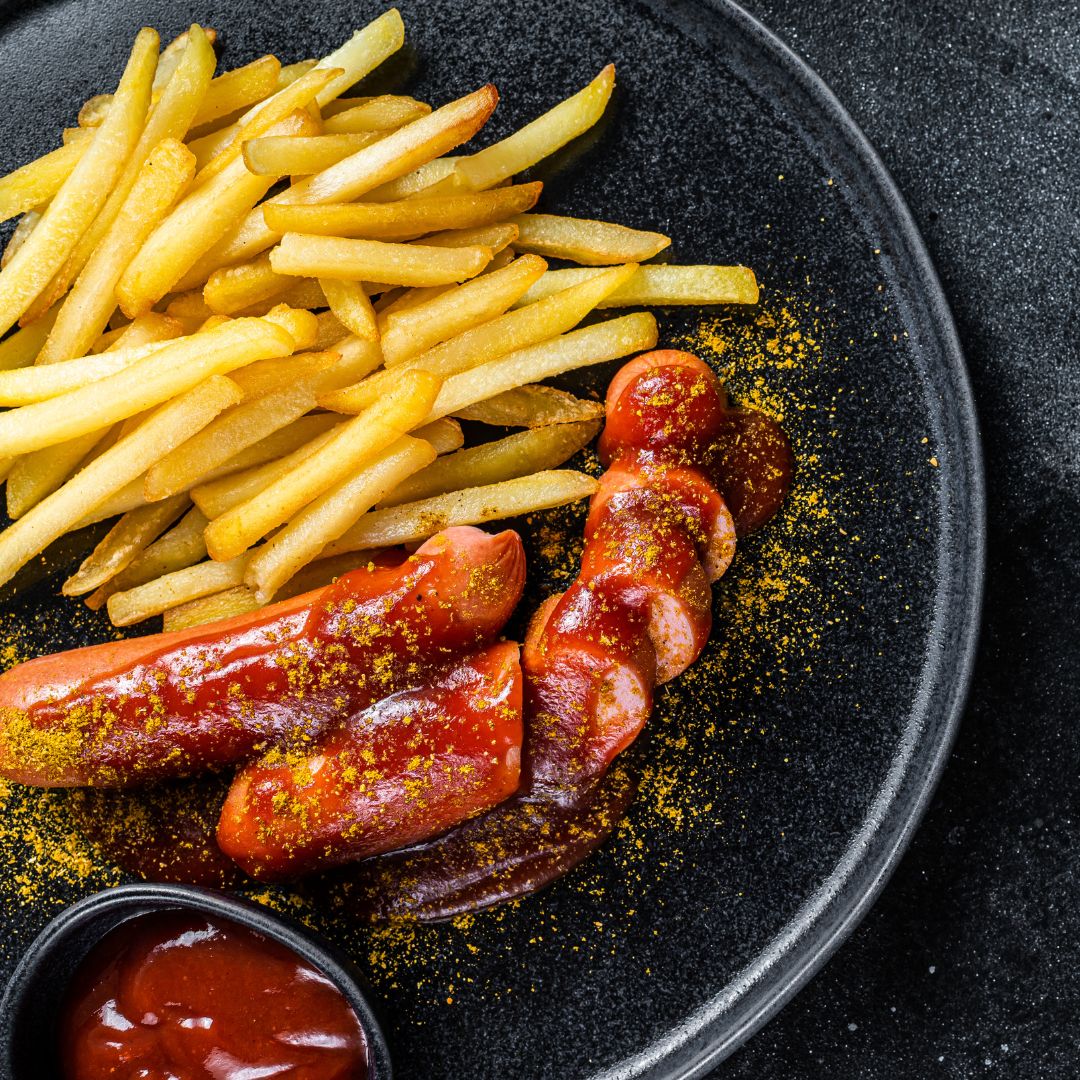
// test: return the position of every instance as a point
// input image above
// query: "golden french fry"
(497, 237)
(123, 543)
(24, 386)
(40, 180)
(176, 367)
(415, 521)
(228, 435)
(303, 293)
(94, 110)
(331, 330)
(175, 54)
(85, 313)
(20, 349)
(532, 407)
(378, 114)
(63, 509)
(237, 89)
(408, 332)
(362, 53)
(345, 104)
(85, 190)
(662, 286)
(20, 234)
(413, 184)
(300, 155)
(542, 137)
(404, 219)
(286, 372)
(145, 330)
(236, 288)
(302, 326)
(169, 119)
(188, 307)
(580, 348)
(194, 226)
(490, 463)
(297, 95)
(34, 476)
(580, 240)
(505, 334)
(400, 152)
(171, 590)
(351, 305)
(348, 448)
(217, 497)
(444, 434)
(374, 260)
(180, 547)
(239, 600)
(328, 516)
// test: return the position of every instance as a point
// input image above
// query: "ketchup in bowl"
(180, 995)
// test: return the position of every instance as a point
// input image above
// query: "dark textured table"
(967, 966)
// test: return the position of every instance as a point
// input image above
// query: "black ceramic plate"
(781, 779)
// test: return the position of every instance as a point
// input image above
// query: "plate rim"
(816, 931)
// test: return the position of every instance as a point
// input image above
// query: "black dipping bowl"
(30, 1008)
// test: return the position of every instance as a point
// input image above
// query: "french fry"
(662, 286)
(532, 406)
(286, 372)
(497, 237)
(410, 522)
(300, 155)
(176, 367)
(174, 55)
(180, 547)
(235, 288)
(580, 348)
(487, 342)
(203, 579)
(34, 476)
(374, 260)
(348, 448)
(84, 192)
(40, 180)
(413, 184)
(491, 463)
(328, 516)
(237, 89)
(194, 226)
(169, 119)
(545, 135)
(581, 240)
(404, 219)
(123, 543)
(145, 330)
(350, 304)
(331, 330)
(227, 436)
(302, 326)
(20, 349)
(188, 307)
(399, 153)
(239, 600)
(85, 313)
(444, 434)
(19, 235)
(216, 498)
(409, 332)
(60, 511)
(316, 575)
(297, 95)
(24, 386)
(377, 114)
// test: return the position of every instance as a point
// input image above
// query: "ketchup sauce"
(180, 996)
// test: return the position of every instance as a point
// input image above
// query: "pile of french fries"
(251, 311)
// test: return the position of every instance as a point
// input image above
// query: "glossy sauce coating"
(403, 770)
(175, 704)
(659, 528)
(178, 996)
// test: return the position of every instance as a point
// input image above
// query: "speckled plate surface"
(779, 779)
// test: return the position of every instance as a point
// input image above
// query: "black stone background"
(968, 964)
